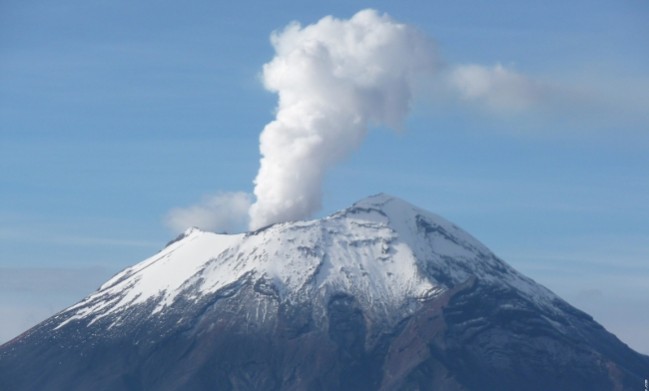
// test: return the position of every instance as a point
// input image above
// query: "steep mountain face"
(380, 296)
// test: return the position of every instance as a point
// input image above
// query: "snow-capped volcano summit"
(381, 295)
(383, 251)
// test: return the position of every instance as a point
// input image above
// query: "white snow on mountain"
(385, 252)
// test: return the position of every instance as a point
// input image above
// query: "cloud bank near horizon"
(335, 79)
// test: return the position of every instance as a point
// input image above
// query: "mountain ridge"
(382, 295)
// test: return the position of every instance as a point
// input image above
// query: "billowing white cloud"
(223, 212)
(497, 88)
(334, 79)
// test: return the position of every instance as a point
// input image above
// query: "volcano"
(379, 296)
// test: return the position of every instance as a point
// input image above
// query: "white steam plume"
(334, 79)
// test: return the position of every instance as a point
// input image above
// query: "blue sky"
(114, 113)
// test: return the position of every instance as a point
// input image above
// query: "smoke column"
(334, 79)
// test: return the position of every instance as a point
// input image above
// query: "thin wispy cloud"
(221, 212)
(584, 107)
(497, 88)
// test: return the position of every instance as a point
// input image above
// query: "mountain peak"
(383, 251)
(385, 204)
(377, 200)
